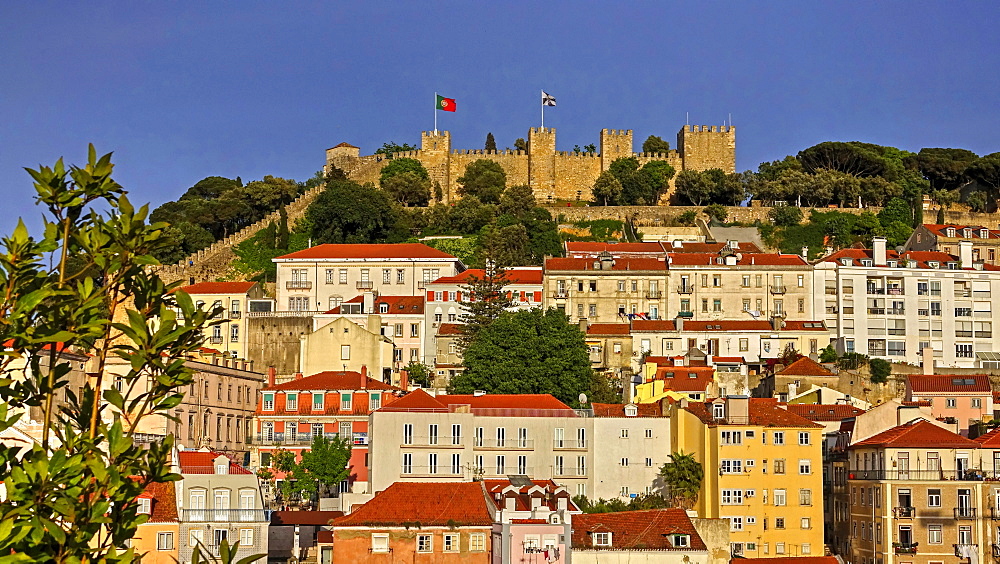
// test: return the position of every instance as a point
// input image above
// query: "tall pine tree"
(485, 299)
(491, 143)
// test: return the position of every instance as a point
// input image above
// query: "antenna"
(730, 119)
(687, 118)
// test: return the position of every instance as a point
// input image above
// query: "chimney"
(737, 409)
(298, 376)
(927, 360)
(404, 379)
(272, 374)
(965, 254)
(805, 253)
(583, 325)
(364, 371)
(878, 251)
(679, 323)
(368, 301)
(907, 413)
(776, 323)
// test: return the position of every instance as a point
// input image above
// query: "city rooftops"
(763, 412)
(649, 529)
(950, 384)
(820, 412)
(376, 251)
(497, 405)
(907, 259)
(806, 366)
(977, 231)
(331, 381)
(514, 276)
(218, 287)
(430, 504)
(394, 304)
(918, 433)
(204, 462)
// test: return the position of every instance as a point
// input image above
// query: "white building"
(892, 305)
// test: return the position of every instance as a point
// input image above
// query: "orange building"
(443, 523)
(157, 538)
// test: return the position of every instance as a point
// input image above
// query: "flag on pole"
(548, 99)
(445, 104)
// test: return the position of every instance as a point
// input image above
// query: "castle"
(553, 175)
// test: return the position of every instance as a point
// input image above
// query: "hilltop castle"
(553, 175)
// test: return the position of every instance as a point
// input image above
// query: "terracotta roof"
(728, 359)
(370, 251)
(618, 410)
(922, 258)
(514, 276)
(940, 230)
(694, 247)
(592, 249)
(450, 329)
(648, 529)
(397, 304)
(664, 360)
(745, 259)
(918, 433)
(163, 507)
(620, 264)
(488, 404)
(788, 560)
(948, 383)
(200, 462)
(805, 366)
(822, 412)
(803, 326)
(661, 325)
(679, 378)
(762, 411)
(344, 144)
(547, 490)
(331, 380)
(429, 503)
(279, 518)
(608, 329)
(218, 287)
(920, 403)
(989, 440)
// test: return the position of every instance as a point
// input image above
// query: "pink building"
(534, 522)
(964, 398)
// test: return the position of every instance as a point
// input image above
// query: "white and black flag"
(548, 99)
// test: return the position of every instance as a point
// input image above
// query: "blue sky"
(184, 90)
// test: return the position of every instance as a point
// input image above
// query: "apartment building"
(401, 320)
(218, 500)
(893, 305)
(328, 404)
(947, 237)
(606, 289)
(966, 399)
(800, 375)
(320, 278)
(534, 520)
(233, 298)
(753, 340)
(665, 536)
(654, 249)
(763, 472)
(424, 438)
(158, 537)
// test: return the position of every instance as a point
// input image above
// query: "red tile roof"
(685, 378)
(764, 412)
(918, 433)
(661, 325)
(947, 383)
(450, 329)
(430, 504)
(940, 230)
(279, 518)
(218, 287)
(693, 247)
(592, 249)
(745, 259)
(620, 264)
(163, 507)
(514, 276)
(608, 329)
(788, 560)
(199, 462)
(989, 440)
(396, 304)
(331, 380)
(805, 366)
(728, 359)
(648, 529)
(370, 251)
(618, 410)
(344, 144)
(921, 257)
(488, 404)
(822, 412)
(547, 490)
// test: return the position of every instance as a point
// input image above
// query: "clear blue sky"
(184, 90)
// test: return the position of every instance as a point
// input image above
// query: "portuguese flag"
(445, 104)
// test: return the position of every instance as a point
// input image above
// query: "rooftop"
(764, 412)
(922, 259)
(514, 276)
(918, 433)
(429, 504)
(648, 529)
(619, 264)
(332, 380)
(742, 259)
(369, 251)
(513, 405)
(788, 560)
(685, 378)
(818, 412)
(163, 507)
(941, 230)
(203, 462)
(395, 304)
(218, 287)
(618, 409)
(805, 366)
(945, 383)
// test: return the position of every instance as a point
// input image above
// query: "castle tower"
(542, 162)
(615, 144)
(704, 147)
(343, 156)
(435, 151)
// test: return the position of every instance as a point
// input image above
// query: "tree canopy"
(683, 476)
(346, 212)
(484, 179)
(654, 144)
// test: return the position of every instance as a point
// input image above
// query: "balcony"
(570, 445)
(905, 547)
(894, 291)
(896, 311)
(267, 439)
(225, 515)
(777, 289)
(685, 289)
(510, 444)
(298, 285)
(876, 311)
(966, 550)
(560, 294)
(875, 291)
(965, 513)
(235, 314)
(830, 290)
(365, 285)
(569, 472)
(215, 339)
(968, 475)
(904, 512)
(653, 295)
(422, 285)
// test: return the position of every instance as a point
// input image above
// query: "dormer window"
(933, 264)
(967, 233)
(911, 264)
(221, 467)
(383, 308)
(602, 539)
(718, 410)
(867, 262)
(891, 264)
(144, 505)
(846, 261)
(292, 402)
(984, 233)
(318, 401)
(952, 266)
(950, 232)
(268, 402)
(680, 541)
(631, 411)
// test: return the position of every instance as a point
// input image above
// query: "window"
(269, 402)
(374, 402)
(380, 543)
(744, 344)
(407, 463)
(456, 463)
(346, 401)
(456, 434)
(806, 523)
(730, 466)
(950, 402)
(196, 537)
(806, 549)
(408, 434)
(680, 541)
(450, 542)
(963, 351)
(805, 497)
(779, 497)
(934, 535)
(649, 462)
(779, 523)
(624, 434)
(735, 523)
(432, 463)
(386, 275)
(425, 543)
(165, 541)
(624, 462)
(345, 352)
(934, 497)
(343, 276)
(602, 539)
(746, 281)
(805, 467)
(477, 542)
(317, 401)
(144, 505)
(246, 538)
(732, 497)
(779, 437)
(716, 305)
(804, 438)
(732, 437)
(779, 548)
(779, 466)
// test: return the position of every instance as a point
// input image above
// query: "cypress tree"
(491, 143)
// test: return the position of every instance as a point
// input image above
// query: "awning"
(988, 356)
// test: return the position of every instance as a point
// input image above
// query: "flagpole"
(543, 113)
(435, 113)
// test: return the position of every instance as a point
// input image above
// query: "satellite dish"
(637, 379)
(583, 399)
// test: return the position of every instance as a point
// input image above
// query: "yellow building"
(157, 539)
(763, 471)
(230, 336)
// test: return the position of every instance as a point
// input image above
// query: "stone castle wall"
(553, 175)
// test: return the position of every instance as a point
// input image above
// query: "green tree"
(402, 166)
(944, 198)
(785, 216)
(72, 496)
(695, 187)
(282, 234)
(486, 301)
(484, 179)
(856, 159)
(420, 374)
(607, 189)
(683, 476)
(438, 192)
(829, 354)
(880, 370)
(508, 245)
(660, 173)
(210, 188)
(517, 201)
(527, 352)
(408, 188)
(687, 218)
(986, 171)
(977, 201)
(943, 168)
(897, 209)
(590, 148)
(325, 465)
(654, 144)
(718, 212)
(520, 144)
(346, 212)
(391, 148)
(623, 167)
(491, 143)
(469, 215)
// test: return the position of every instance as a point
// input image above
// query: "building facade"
(946, 239)
(233, 299)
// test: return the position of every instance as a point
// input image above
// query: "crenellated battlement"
(664, 156)
(620, 132)
(580, 155)
(504, 153)
(710, 128)
(437, 133)
(543, 130)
